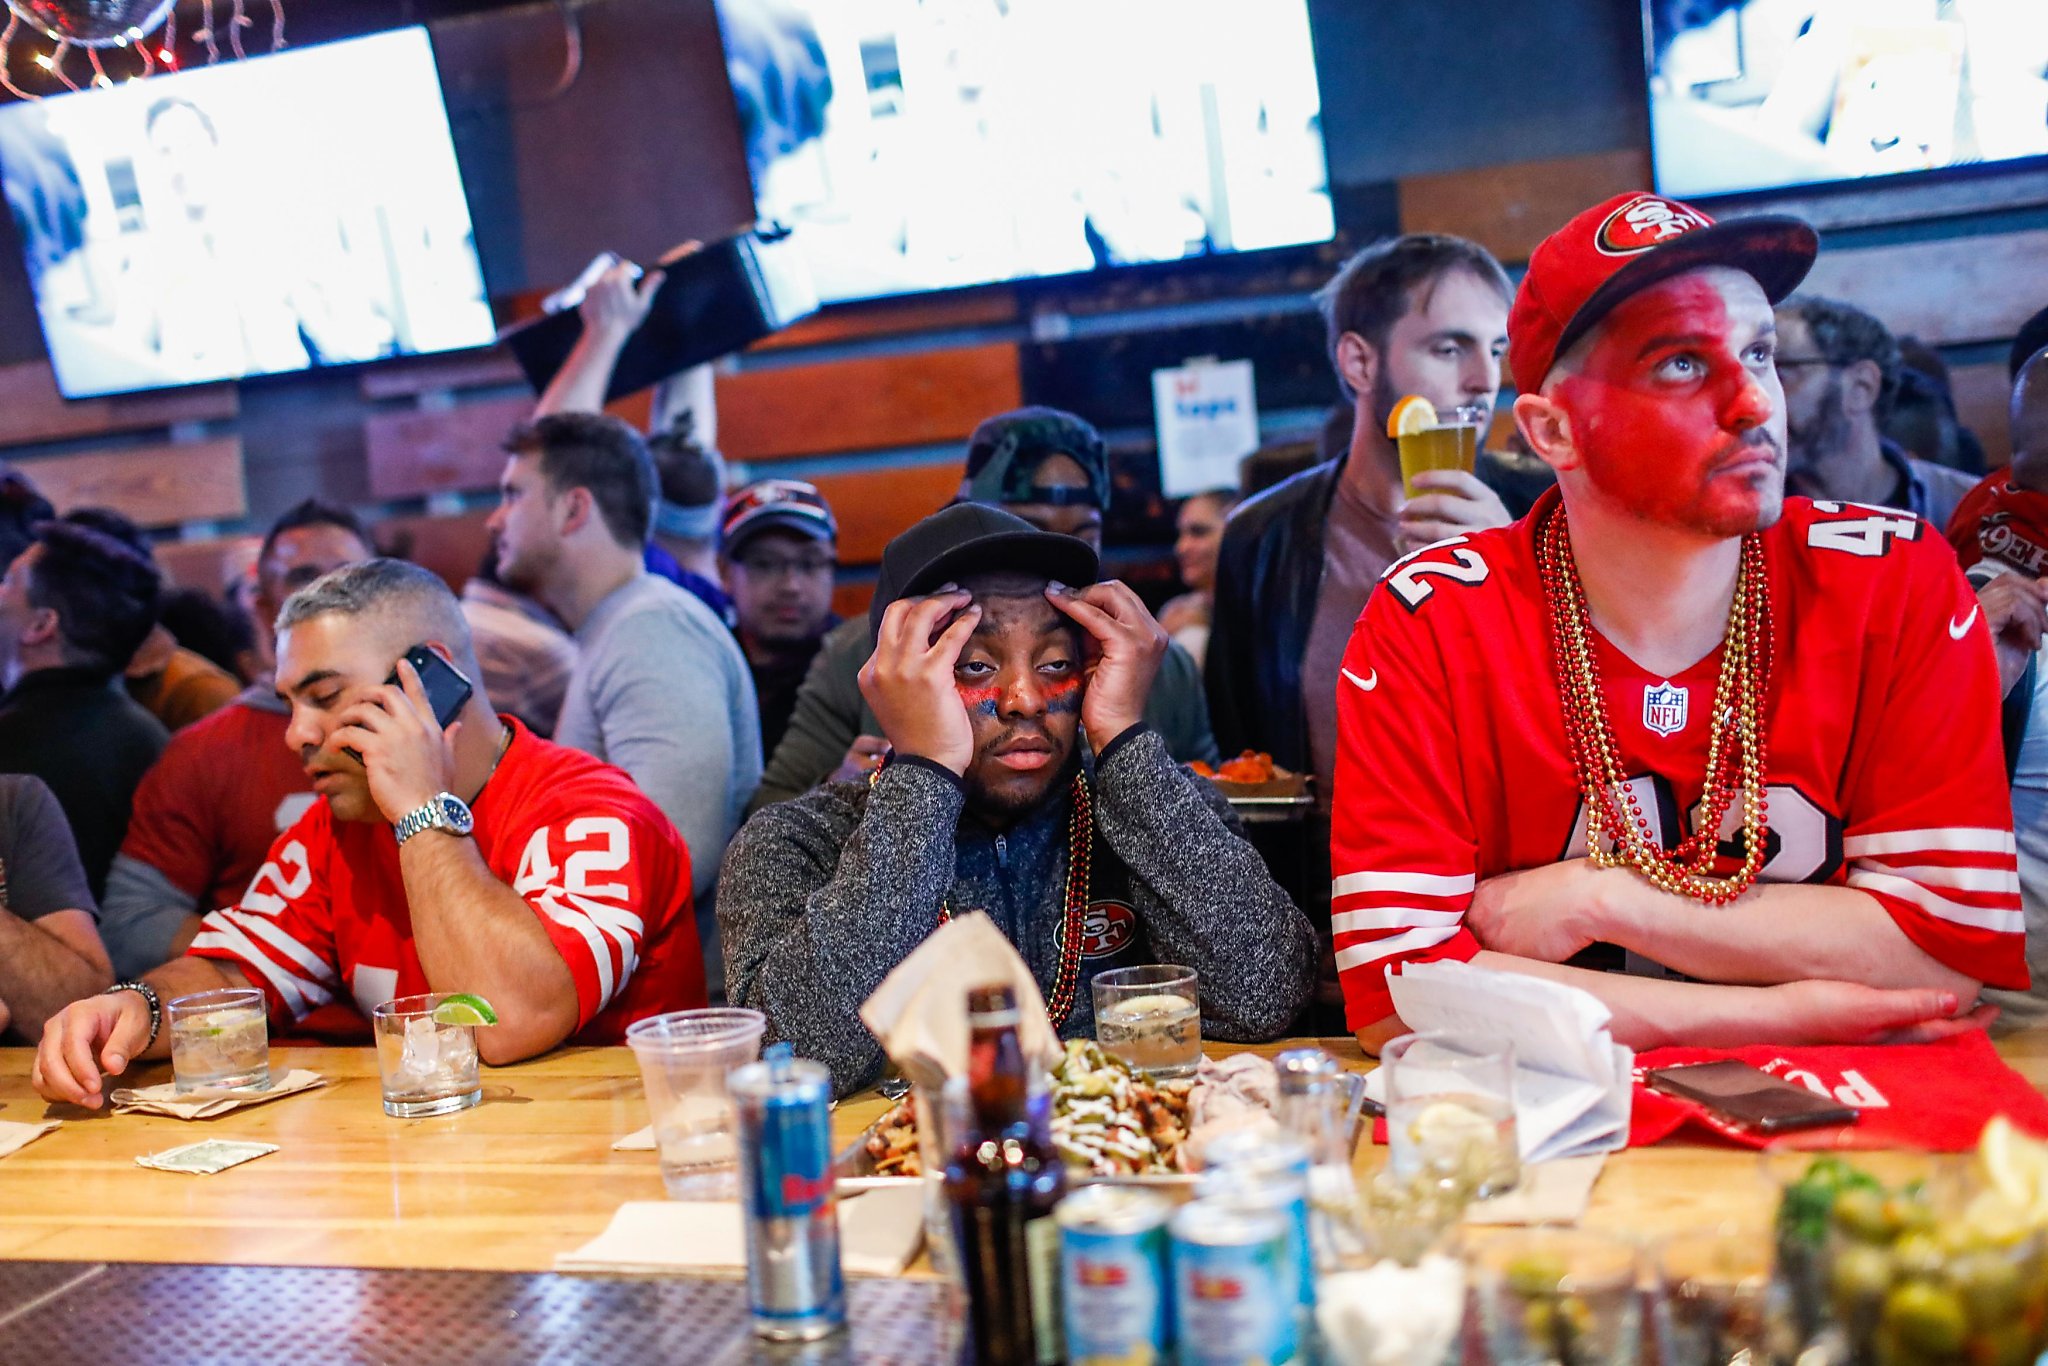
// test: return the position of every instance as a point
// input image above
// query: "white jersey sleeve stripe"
(299, 996)
(1374, 950)
(2004, 920)
(270, 933)
(1959, 839)
(600, 948)
(2003, 881)
(1391, 918)
(1415, 884)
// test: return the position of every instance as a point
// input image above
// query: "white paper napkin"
(639, 1141)
(166, 1099)
(919, 1013)
(1555, 1192)
(879, 1233)
(1573, 1083)
(15, 1136)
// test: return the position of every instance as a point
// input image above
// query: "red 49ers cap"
(1580, 272)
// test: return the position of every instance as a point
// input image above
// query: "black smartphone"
(447, 690)
(1750, 1097)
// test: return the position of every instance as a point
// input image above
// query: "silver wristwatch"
(443, 811)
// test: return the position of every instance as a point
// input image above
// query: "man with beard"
(1422, 314)
(995, 647)
(1673, 722)
(659, 686)
(1840, 369)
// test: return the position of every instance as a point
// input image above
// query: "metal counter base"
(57, 1313)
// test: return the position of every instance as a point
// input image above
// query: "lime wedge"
(464, 1009)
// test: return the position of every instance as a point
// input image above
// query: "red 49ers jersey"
(1998, 520)
(1885, 771)
(603, 870)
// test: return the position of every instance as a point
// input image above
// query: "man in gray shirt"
(659, 688)
(996, 647)
(50, 951)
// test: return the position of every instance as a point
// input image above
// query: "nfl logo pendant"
(1664, 709)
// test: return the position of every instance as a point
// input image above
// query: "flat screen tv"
(251, 218)
(1771, 94)
(937, 145)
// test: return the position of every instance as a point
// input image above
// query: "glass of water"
(684, 1056)
(1151, 1017)
(1451, 1110)
(429, 1068)
(220, 1040)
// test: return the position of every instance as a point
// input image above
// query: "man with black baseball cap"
(1050, 468)
(1673, 722)
(996, 647)
(778, 550)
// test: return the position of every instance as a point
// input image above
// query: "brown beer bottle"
(1003, 1180)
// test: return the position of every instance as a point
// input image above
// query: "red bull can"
(783, 1107)
(1113, 1283)
(1234, 1296)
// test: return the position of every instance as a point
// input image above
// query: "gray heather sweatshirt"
(821, 896)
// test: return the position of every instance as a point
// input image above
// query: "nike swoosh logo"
(1364, 684)
(1956, 629)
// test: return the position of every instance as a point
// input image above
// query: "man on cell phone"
(531, 875)
(1742, 746)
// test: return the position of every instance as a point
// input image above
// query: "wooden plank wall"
(874, 403)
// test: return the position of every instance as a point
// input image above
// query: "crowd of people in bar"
(1712, 689)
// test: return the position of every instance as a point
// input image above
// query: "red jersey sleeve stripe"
(277, 938)
(2003, 918)
(1958, 839)
(600, 956)
(294, 995)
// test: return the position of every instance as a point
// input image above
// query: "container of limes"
(1918, 1275)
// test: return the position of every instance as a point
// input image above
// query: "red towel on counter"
(1931, 1096)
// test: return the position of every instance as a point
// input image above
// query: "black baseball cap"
(970, 538)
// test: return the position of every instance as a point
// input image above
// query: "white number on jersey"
(1802, 843)
(1408, 577)
(288, 873)
(1869, 537)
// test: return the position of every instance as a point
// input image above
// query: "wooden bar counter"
(527, 1174)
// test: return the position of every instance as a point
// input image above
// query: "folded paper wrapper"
(168, 1100)
(14, 1135)
(879, 1233)
(1573, 1082)
(919, 1013)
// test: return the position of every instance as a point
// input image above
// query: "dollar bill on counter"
(206, 1157)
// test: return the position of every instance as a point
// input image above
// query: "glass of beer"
(1451, 442)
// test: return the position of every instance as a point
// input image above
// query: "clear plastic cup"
(220, 1040)
(428, 1068)
(684, 1057)
(1718, 1303)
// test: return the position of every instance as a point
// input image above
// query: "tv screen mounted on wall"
(256, 217)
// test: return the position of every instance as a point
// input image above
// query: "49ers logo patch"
(1646, 221)
(1107, 929)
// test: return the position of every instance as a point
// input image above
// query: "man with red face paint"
(1741, 747)
(996, 648)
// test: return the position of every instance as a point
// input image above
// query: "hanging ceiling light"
(94, 23)
(103, 26)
